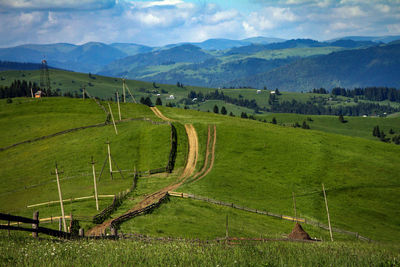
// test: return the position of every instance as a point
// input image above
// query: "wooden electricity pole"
(95, 185)
(112, 117)
(123, 90)
(61, 200)
(31, 92)
(119, 108)
(294, 205)
(327, 212)
(109, 159)
(83, 94)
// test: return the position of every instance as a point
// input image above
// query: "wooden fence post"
(35, 226)
(82, 232)
(114, 231)
(294, 205)
(226, 228)
(8, 225)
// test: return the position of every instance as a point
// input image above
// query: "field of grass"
(259, 165)
(27, 172)
(355, 126)
(18, 251)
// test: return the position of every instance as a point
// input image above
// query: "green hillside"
(259, 165)
(27, 173)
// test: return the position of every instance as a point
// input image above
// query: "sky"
(161, 22)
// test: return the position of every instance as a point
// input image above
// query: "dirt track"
(210, 150)
(187, 172)
(158, 113)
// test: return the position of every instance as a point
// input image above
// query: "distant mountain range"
(293, 65)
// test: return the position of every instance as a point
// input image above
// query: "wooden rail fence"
(115, 223)
(35, 229)
(280, 216)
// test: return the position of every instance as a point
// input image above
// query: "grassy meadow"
(257, 165)
(18, 251)
(27, 173)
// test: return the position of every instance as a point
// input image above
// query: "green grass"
(185, 218)
(355, 126)
(23, 251)
(259, 165)
(26, 173)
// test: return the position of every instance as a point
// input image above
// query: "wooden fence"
(280, 216)
(35, 229)
(115, 223)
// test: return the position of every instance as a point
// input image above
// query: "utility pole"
(31, 92)
(83, 94)
(119, 108)
(112, 117)
(95, 185)
(109, 159)
(294, 205)
(327, 212)
(61, 200)
(123, 90)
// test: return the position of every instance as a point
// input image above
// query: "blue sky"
(160, 22)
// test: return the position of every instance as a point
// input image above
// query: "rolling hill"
(378, 65)
(247, 65)
(257, 165)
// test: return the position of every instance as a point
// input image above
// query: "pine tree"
(273, 120)
(216, 110)
(158, 102)
(223, 111)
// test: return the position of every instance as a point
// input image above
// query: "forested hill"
(7, 65)
(378, 65)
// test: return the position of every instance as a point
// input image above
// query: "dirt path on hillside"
(156, 196)
(201, 174)
(158, 113)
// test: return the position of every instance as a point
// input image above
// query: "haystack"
(298, 233)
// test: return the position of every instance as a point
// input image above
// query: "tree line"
(216, 95)
(368, 93)
(310, 108)
(22, 88)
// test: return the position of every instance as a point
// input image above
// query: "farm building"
(39, 94)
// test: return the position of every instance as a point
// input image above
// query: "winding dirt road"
(156, 196)
(158, 113)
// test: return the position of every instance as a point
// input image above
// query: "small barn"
(39, 94)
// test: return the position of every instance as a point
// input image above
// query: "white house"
(171, 97)
(258, 92)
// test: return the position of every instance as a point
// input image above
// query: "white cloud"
(56, 4)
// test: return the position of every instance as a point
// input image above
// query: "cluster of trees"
(146, 101)
(304, 125)
(318, 109)
(223, 110)
(216, 95)
(22, 88)
(383, 137)
(322, 91)
(370, 93)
